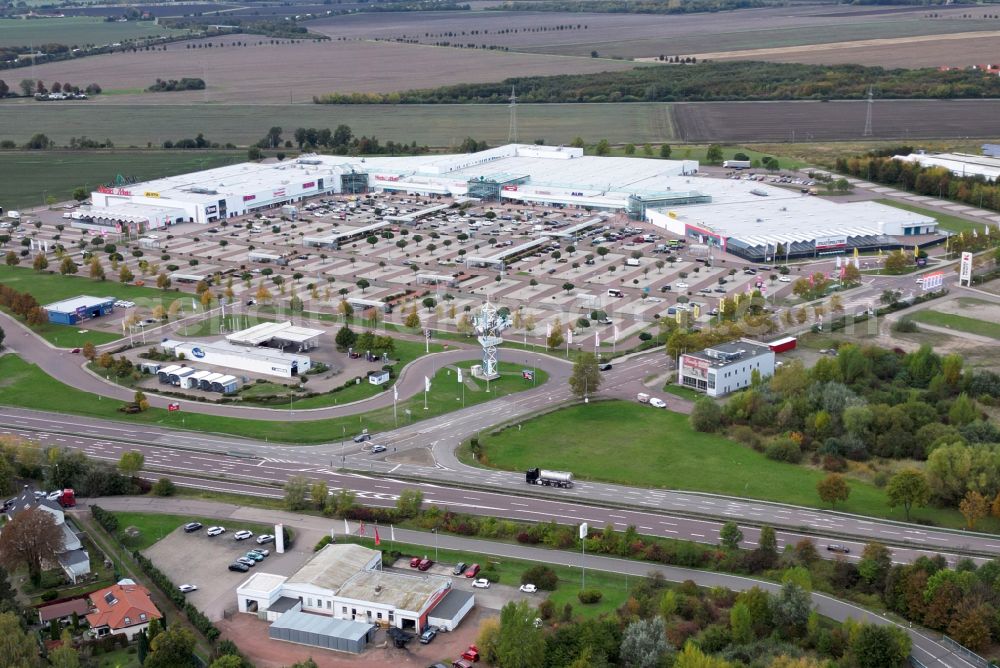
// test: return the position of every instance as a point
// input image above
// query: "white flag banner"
(548, 330)
(569, 336)
(597, 340)
(460, 374)
(616, 333)
(392, 533)
(347, 529)
(427, 384)
(194, 305)
(395, 393)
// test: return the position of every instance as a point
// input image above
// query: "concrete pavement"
(926, 646)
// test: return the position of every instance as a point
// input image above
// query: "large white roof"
(960, 164)
(265, 331)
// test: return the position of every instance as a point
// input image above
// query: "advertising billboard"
(826, 243)
(965, 271)
(695, 367)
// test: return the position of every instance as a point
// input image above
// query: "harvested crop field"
(645, 35)
(831, 121)
(286, 71)
(955, 50)
(433, 125)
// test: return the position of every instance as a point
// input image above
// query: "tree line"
(171, 85)
(882, 167)
(706, 81)
(341, 140)
(634, 6)
(32, 87)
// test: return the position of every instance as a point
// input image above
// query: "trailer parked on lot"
(548, 478)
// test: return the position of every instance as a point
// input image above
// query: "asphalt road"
(257, 476)
(926, 647)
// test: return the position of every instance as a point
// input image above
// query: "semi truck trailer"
(548, 478)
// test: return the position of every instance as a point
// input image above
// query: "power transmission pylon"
(868, 114)
(512, 128)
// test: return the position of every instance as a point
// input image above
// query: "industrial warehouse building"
(744, 217)
(278, 335)
(725, 368)
(268, 362)
(77, 309)
(338, 598)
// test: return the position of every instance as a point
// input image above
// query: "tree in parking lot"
(163, 281)
(363, 284)
(125, 274)
(412, 319)
(555, 337)
(714, 154)
(40, 263)
(263, 295)
(296, 489)
(68, 266)
(11, 259)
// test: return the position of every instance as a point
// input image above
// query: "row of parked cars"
(242, 564)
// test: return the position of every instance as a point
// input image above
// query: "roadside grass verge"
(945, 221)
(25, 385)
(957, 322)
(632, 444)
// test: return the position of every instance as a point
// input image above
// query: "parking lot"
(195, 558)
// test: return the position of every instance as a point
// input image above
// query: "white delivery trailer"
(548, 478)
(736, 164)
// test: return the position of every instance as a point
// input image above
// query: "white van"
(614, 292)
(632, 262)
(14, 215)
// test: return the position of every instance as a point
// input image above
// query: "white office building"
(725, 368)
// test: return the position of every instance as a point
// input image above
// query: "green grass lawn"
(120, 658)
(156, 526)
(682, 392)
(957, 322)
(23, 384)
(613, 586)
(945, 221)
(31, 176)
(633, 444)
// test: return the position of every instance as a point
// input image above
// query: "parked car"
(247, 562)
(361, 438)
(265, 538)
(681, 285)
(216, 531)
(472, 571)
(75, 351)
(528, 588)
(836, 547)
(261, 551)
(377, 449)
(242, 534)
(239, 567)
(459, 568)
(606, 366)
(784, 279)
(191, 527)
(656, 402)
(428, 635)
(187, 589)
(481, 583)
(425, 564)
(471, 654)
(254, 556)
(414, 562)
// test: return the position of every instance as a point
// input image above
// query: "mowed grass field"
(633, 444)
(31, 176)
(439, 126)
(23, 384)
(945, 221)
(75, 31)
(959, 323)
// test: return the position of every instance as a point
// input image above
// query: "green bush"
(50, 595)
(323, 542)
(589, 596)
(541, 576)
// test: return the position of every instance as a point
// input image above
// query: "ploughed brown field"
(648, 36)
(295, 71)
(832, 121)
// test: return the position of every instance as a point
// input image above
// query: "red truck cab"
(68, 498)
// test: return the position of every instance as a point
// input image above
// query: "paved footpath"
(926, 647)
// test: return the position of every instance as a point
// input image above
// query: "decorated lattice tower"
(489, 323)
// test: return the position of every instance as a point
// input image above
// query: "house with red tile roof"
(124, 607)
